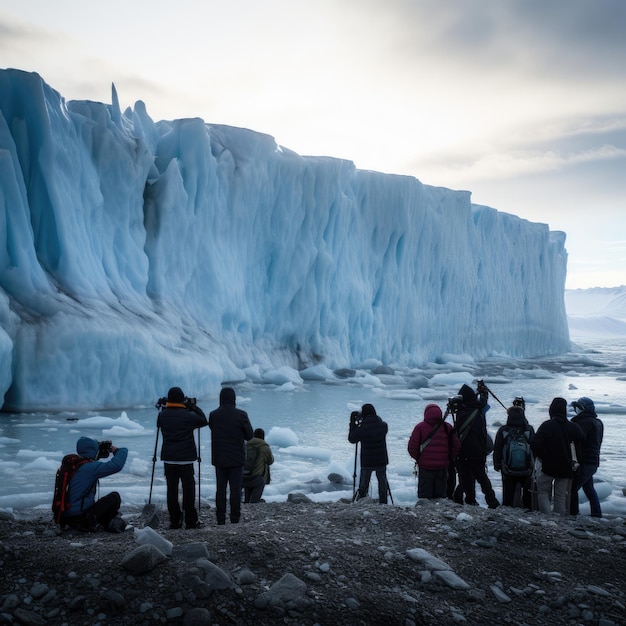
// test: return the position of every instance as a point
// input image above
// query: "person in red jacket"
(433, 444)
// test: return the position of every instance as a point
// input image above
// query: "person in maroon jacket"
(433, 444)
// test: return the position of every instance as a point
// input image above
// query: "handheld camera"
(104, 449)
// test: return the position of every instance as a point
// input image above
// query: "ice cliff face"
(137, 255)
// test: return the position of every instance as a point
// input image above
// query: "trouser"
(228, 477)
(552, 488)
(253, 487)
(183, 474)
(472, 471)
(381, 476)
(510, 486)
(451, 482)
(101, 512)
(432, 483)
(583, 479)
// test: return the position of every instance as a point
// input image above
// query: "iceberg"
(136, 255)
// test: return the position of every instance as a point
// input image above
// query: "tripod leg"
(156, 443)
(199, 462)
(354, 488)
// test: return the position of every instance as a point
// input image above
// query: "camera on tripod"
(356, 418)
(104, 449)
(454, 403)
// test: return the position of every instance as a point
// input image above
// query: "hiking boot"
(197, 524)
(176, 522)
(116, 525)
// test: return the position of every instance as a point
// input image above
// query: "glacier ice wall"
(136, 255)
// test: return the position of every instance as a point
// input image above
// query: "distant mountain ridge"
(599, 311)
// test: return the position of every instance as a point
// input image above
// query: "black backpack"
(517, 457)
(252, 452)
(69, 466)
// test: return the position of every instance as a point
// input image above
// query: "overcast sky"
(522, 102)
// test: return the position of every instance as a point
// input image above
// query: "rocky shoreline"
(306, 563)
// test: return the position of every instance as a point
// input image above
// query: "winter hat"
(227, 396)
(558, 408)
(175, 394)
(87, 447)
(584, 404)
(468, 393)
(368, 409)
(515, 416)
(259, 433)
(432, 412)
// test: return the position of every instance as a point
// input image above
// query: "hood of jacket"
(432, 414)
(87, 447)
(467, 393)
(227, 396)
(516, 417)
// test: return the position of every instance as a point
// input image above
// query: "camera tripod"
(150, 506)
(355, 489)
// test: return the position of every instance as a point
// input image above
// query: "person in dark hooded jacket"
(371, 433)
(593, 431)
(471, 464)
(230, 430)
(433, 443)
(552, 444)
(516, 424)
(178, 420)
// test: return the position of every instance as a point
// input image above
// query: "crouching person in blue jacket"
(81, 510)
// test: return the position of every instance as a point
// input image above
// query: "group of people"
(541, 470)
(241, 458)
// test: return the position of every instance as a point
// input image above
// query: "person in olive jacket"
(552, 444)
(230, 430)
(371, 432)
(177, 421)
(593, 431)
(256, 474)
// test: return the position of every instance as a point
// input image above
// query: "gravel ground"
(354, 563)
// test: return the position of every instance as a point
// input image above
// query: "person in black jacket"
(552, 444)
(230, 430)
(371, 432)
(593, 431)
(515, 478)
(471, 464)
(177, 421)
